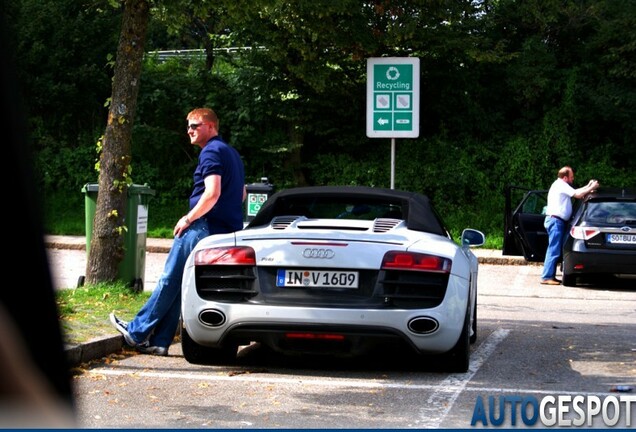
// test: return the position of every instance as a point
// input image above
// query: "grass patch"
(64, 214)
(83, 312)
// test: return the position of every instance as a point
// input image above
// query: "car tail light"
(397, 260)
(233, 255)
(583, 233)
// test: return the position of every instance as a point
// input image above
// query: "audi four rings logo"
(318, 253)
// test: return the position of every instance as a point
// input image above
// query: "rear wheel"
(473, 336)
(569, 280)
(458, 358)
(203, 355)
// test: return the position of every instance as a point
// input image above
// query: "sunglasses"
(193, 126)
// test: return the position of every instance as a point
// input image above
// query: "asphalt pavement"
(67, 263)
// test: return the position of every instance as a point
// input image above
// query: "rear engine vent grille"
(384, 225)
(282, 222)
(412, 289)
(230, 283)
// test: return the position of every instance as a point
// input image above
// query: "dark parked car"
(600, 239)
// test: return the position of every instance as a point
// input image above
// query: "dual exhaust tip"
(418, 325)
(212, 318)
(423, 325)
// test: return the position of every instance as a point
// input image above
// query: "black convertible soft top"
(353, 202)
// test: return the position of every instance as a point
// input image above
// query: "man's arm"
(208, 199)
(582, 191)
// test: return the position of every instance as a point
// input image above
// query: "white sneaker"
(122, 327)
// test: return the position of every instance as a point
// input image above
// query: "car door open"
(524, 233)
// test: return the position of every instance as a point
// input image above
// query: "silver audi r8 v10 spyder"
(335, 271)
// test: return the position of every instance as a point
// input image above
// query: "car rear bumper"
(427, 331)
(594, 261)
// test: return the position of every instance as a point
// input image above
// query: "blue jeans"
(158, 318)
(555, 228)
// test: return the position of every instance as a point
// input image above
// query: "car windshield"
(611, 213)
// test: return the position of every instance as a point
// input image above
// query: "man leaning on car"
(558, 212)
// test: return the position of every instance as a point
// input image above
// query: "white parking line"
(453, 384)
(354, 382)
(440, 402)
(431, 415)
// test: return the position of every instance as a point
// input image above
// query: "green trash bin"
(133, 266)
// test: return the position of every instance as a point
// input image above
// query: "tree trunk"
(107, 243)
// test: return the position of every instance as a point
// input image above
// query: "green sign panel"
(255, 202)
(393, 97)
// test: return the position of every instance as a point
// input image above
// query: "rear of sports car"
(326, 286)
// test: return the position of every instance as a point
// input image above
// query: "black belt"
(557, 217)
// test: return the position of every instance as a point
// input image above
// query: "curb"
(78, 243)
(157, 245)
(507, 260)
(77, 354)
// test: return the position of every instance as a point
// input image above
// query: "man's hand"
(593, 185)
(181, 226)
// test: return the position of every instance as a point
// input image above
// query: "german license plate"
(317, 278)
(621, 238)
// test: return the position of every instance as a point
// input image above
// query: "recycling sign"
(393, 97)
(254, 203)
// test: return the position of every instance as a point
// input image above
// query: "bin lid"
(139, 189)
(263, 186)
(90, 187)
(134, 189)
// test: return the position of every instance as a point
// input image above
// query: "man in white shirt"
(558, 212)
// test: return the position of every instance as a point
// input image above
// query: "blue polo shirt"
(217, 157)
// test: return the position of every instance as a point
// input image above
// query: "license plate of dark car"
(317, 278)
(621, 238)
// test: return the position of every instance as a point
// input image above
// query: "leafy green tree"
(316, 54)
(63, 48)
(509, 91)
(570, 75)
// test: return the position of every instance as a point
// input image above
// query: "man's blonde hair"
(205, 114)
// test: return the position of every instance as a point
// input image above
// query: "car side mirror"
(472, 237)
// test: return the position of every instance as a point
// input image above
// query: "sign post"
(393, 100)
